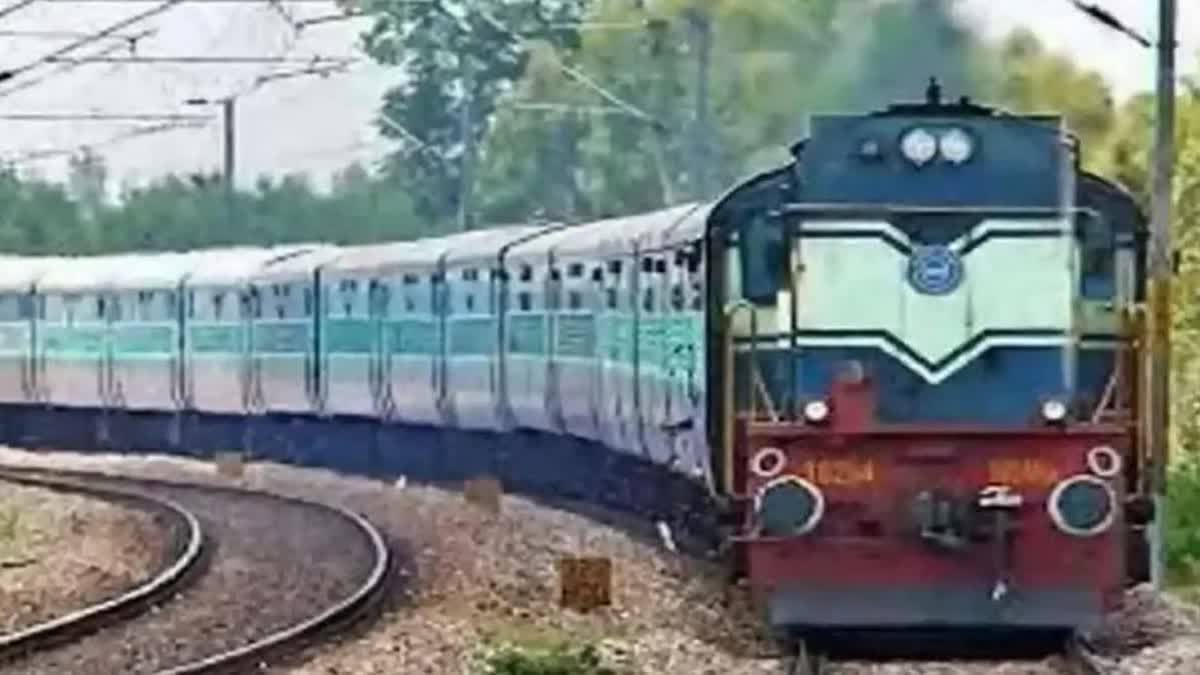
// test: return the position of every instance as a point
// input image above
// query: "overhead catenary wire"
(163, 6)
(15, 7)
(62, 68)
(576, 74)
(101, 117)
(200, 60)
(51, 153)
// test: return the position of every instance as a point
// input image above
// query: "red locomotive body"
(922, 526)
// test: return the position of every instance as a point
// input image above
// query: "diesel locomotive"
(898, 377)
(931, 383)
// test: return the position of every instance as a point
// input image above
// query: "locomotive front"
(929, 374)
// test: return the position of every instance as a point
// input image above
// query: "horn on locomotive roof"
(933, 93)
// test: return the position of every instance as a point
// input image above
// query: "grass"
(538, 649)
(559, 659)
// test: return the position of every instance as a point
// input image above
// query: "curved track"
(278, 570)
(187, 547)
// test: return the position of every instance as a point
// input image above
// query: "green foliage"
(773, 61)
(1030, 78)
(1182, 529)
(555, 660)
(453, 52)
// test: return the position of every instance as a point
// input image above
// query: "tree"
(773, 62)
(458, 57)
(1028, 78)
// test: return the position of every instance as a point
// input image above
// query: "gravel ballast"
(274, 565)
(483, 577)
(61, 552)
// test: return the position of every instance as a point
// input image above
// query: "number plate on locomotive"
(1027, 472)
(837, 472)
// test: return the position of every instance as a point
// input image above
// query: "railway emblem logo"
(934, 270)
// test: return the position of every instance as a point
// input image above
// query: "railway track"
(186, 549)
(277, 571)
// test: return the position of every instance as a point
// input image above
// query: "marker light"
(1104, 461)
(1054, 411)
(956, 145)
(919, 146)
(816, 411)
(768, 462)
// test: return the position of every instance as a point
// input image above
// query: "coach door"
(684, 350)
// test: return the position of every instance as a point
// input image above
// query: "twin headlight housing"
(920, 145)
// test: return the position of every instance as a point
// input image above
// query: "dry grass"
(62, 552)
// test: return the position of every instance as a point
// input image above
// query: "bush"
(1182, 543)
(557, 660)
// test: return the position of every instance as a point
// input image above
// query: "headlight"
(956, 145)
(789, 506)
(1082, 506)
(1054, 411)
(919, 146)
(816, 411)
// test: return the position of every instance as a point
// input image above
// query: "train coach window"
(647, 265)
(100, 307)
(308, 302)
(598, 275)
(469, 302)
(218, 304)
(648, 301)
(660, 266)
(555, 274)
(677, 299)
(575, 270)
(574, 300)
(524, 301)
(526, 273)
(610, 297)
(614, 267)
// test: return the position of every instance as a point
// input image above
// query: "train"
(894, 383)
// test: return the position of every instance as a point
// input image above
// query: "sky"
(319, 124)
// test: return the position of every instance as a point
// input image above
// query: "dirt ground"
(62, 552)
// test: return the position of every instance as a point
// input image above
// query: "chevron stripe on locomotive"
(900, 371)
